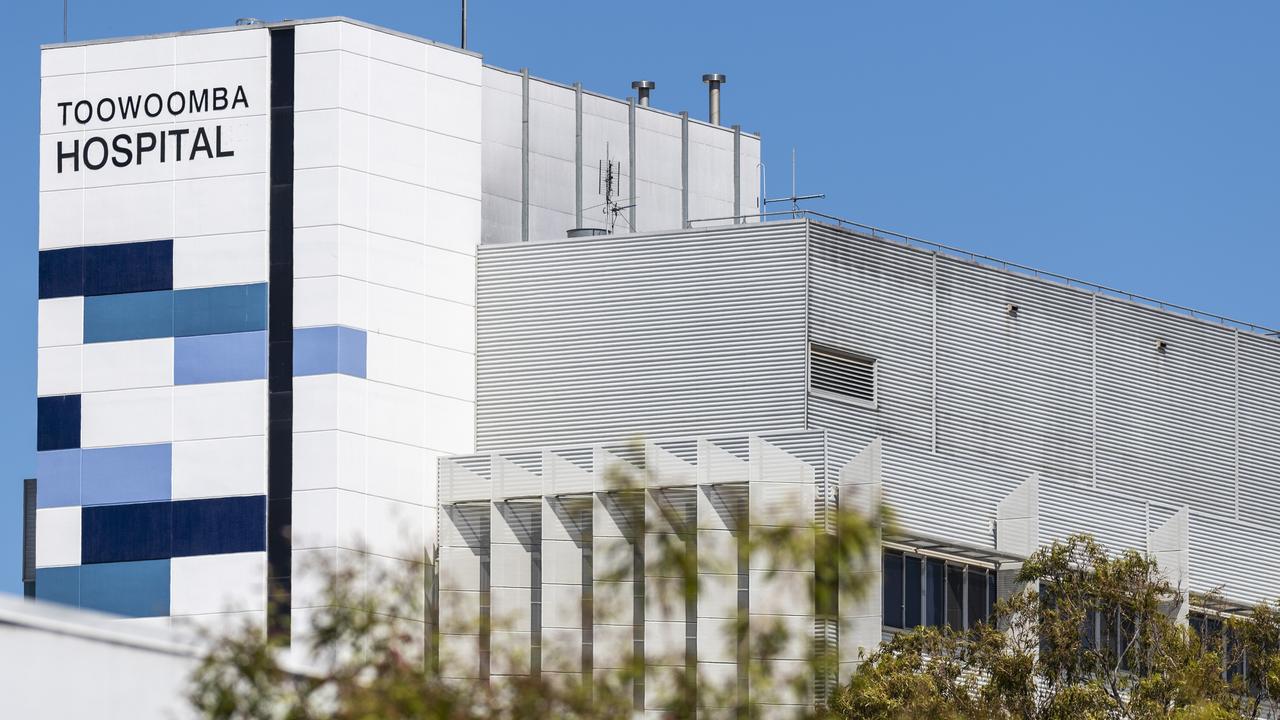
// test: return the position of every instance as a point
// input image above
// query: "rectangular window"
(911, 587)
(893, 590)
(843, 374)
(955, 597)
(977, 608)
(935, 604)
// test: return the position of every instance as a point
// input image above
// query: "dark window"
(123, 533)
(935, 604)
(842, 373)
(955, 597)
(893, 590)
(61, 273)
(991, 592)
(977, 610)
(219, 525)
(911, 587)
(128, 267)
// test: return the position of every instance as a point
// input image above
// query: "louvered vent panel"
(843, 374)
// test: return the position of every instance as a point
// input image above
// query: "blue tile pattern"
(329, 349)
(58, 422)
(131, 316)
(58, 478)
(222, 309)
(107, 269)
(133, 589)
(220, 358)
(121, 533)
(219, 525)
(128, 474)
(58, 584)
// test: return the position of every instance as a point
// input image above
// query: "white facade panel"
(204, 584)
(128, 364)
(234, 259)
(127, 417)
(58, 370)
(220, 410)
(219, 467)
(57, 536)
(60, 322)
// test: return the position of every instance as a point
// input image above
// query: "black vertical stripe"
(280, 341)
(29, 537)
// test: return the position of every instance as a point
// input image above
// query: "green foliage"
(1092, 635)
(375, 663)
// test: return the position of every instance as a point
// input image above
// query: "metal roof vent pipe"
(713, 81)
(643, 88)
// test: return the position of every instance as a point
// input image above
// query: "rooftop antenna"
(610, 185)
(794, 199)
(464, 25)
(64, 20)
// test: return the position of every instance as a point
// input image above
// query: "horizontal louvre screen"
(842, 374)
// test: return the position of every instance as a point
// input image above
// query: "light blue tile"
(329, 349)
(133, 589)
(220, 358)
(352, 353)
(222, 309)
(59, 585)
(131, 316)
(57, 478)
(136, 473)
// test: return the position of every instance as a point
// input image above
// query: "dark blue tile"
(128, 267)
(120, 533)
(58, 422)
(133, 589)
(131, 316)
(219, 525)
(58, 584)
(61, 273)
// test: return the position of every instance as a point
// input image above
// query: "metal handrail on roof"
(920, 243)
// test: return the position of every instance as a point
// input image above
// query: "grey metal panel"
(607, 338)
(1259, 441)
(1240, 561)
(1165, 420)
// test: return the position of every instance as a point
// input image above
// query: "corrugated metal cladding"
(609, 338)
(983, 376)
(987, 376)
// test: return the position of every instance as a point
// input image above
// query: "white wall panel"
(315, 460)
(453, 223)
(127, 417)
(450, 372)
(397, 361)
(233, 582)
(61, 219)
(201, 206)
(130, 213)
(57, 536)
(128, 364)
(314, 72)
(60, 321)
(234, 259)
(218, 410)
(221, 467)
(58, 370)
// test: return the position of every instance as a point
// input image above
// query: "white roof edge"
(264, 24)
(63, 620)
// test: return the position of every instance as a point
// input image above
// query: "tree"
(1093, 635)
(376, 661)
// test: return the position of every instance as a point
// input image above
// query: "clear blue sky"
(1135, 144)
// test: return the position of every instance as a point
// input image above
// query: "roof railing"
(988, 261)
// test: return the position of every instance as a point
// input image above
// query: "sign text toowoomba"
(137, 147)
